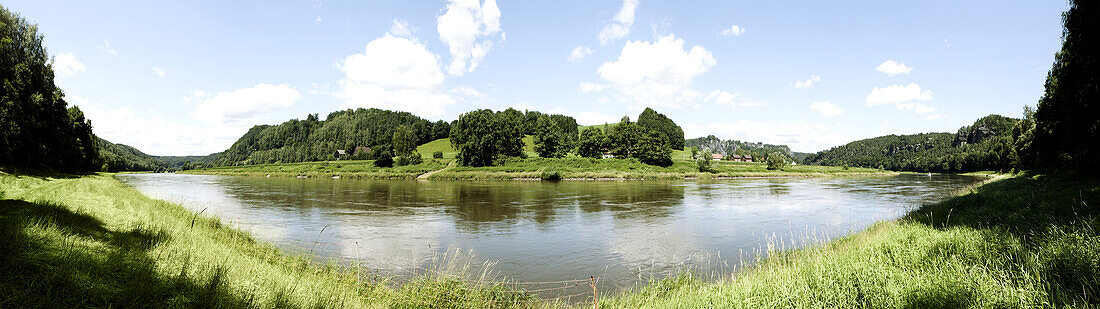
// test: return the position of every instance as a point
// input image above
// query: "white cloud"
(461, 27)
(158, 135)
(107, 48)
(619, 26)
(657, 73)
(198, 93)
(401, 28)
(394, 73)
(65, 65)
(161, 72)
(245, 107)
(468, 91)
(592, 87)
(891, 67)
(734, 31)
(896, 94)
(318, 19)
(799, 136)
(579, 53)
(722, 97)
(808, 83)
(826, 109)
(902, 97)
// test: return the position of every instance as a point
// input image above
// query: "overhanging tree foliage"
(1066, 124)
(37, 128)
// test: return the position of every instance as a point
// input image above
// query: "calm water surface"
(622, 232)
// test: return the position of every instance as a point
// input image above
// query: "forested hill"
(365, 130)
(984, 145)
(731, 147)
(119, 157)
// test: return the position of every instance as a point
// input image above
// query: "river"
(623, 232)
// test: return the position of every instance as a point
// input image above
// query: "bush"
(411, 158)
(437, 155)
(384, 162)
(776, 161)
(550, 175)
(703, 160)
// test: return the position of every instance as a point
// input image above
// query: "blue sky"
(189, 77)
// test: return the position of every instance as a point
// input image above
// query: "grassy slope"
(1017, 242)
(444, 145)
(94, 242)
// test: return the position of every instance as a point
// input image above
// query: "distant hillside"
(314, 140)
(983, 145)
(731, 147)
(119, 157)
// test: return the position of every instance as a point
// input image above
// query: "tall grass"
(93, 242)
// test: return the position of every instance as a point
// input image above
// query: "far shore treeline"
(40, 132)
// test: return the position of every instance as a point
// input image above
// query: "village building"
(716, 157)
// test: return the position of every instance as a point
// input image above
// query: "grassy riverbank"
(1015, 242)
(571, 168)
(93, 242)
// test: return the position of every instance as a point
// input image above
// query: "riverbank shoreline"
(530, 169)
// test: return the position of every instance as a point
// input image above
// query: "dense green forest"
(713, 144)
(38, 130)
(984, 145)
(360, 133)
(119, 157)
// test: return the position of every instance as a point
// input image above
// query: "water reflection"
(624, 232)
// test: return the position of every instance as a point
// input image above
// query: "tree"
(776, 161)
(624, 138)
(1067, 129)
(653, 149)
(591, 143)
(568, 127)
(550, 141)
(482, 136)
(404, 140)
(651, 120)
(703, 160)
(37, 128)
(510, 128)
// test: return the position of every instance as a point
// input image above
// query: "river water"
(623, 232)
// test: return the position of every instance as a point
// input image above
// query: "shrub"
(437, 155)
(411, 158)
(385, 161)
(550, 175)
(776, 161)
